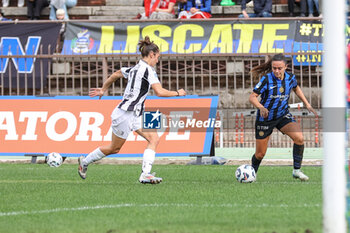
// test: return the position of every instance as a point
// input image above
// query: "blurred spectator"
(262, 8)
(227, 3)
(61, 4)
(34, 8)
(60, 15)
(165, 10)
(195, 9)
(182, 6)
(310, 4)
(150, 7)
(302, 4)
(5, 3)
(2, 16)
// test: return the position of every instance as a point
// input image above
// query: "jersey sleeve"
(153, 77)
(261, 86)
(294, 82)
(125, 71)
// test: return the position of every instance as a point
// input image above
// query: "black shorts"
(264, 129)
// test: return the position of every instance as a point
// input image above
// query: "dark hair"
(266, 67)
(146, 46)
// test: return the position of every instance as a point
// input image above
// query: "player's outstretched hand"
(311, 109)
(96, 92)
(181, 92)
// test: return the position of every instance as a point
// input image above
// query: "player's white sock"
(148, 159)
(93, 156)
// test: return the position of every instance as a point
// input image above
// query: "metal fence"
(238, 130)
(226, 75)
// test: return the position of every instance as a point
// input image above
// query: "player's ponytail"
(265, 68)
(146, 46)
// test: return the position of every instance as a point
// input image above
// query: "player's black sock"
(255, 163)
(298, 151)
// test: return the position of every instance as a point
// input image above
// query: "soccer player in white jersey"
(126, 117)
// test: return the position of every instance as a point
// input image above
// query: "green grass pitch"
(37, 198)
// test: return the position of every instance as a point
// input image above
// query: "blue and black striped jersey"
(275, 94)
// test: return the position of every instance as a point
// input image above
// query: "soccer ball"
(245, 174)
(54, 159)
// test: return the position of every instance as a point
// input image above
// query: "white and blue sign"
(152, 120)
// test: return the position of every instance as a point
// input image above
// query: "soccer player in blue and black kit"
(275, 88)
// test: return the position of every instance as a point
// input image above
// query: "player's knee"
(259, 155)
(299, 140)
(154, 139)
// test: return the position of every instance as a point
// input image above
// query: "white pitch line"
(83, 208)
(291, 182)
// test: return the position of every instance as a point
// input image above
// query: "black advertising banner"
(308, 38)
(26, 39)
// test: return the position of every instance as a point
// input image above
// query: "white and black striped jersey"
(140, 78)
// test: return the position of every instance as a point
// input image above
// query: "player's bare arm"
(161, 92)
(302, 97)
(111, 79)
(253, 99)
